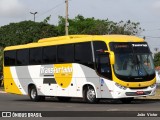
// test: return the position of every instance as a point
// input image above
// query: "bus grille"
(138, 87)
(135, 93)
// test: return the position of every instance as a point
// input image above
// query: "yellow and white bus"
(85, 66)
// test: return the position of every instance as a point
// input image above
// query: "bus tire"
(34, 95)
(89, 95)
(64, 99)
(126, 100)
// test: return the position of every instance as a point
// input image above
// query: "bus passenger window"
(23, 57)
(49, 55)
(83, 53)
(65, 53)
(35, 56)
(10, 58)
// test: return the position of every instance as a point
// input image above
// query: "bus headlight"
(120, 86)
(152, 86)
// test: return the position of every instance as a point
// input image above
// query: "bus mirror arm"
(112, 57)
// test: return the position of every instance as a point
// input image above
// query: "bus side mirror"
(112, 57)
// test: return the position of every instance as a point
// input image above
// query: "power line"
(153, 29)
(51, 9)
(149, 36)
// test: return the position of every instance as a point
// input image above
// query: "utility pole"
(34, 14)
(66, 19)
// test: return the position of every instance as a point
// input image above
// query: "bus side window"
(65, 53)
(83, 54)
(102, 61)
(103, 65)
(10, 58)
(22, 57)
(35, 56)
(49, 54)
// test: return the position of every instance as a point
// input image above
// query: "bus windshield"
(133, 60)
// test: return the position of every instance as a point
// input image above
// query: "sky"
(147, 12)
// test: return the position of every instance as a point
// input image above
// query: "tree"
(25, 32)
(1, 59)
(29, 31)
(157, 59)
(81, 25)
(47, 19)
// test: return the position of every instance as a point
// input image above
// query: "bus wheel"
(64, 99)
(34, 96)
(126, 100)
(90, 95)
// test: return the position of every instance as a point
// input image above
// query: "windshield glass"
(132, 59)
(134, 65)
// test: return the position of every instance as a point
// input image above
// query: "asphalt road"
(12, 102)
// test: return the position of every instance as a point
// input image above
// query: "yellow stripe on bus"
(134, 84)
(10, 85)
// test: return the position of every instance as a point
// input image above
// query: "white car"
(157, 77)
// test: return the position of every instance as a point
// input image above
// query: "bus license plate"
(140, 92)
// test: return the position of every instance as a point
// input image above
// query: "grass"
(157, 95)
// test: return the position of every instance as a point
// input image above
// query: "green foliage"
(81, 25)
(25, 32)
(29, 31)
(128, 28)
(157, 59)
(47, 19)
(1, 59)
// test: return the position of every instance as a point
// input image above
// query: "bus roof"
(76, 39)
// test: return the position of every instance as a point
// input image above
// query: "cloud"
(12, 8)
(156, 5)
